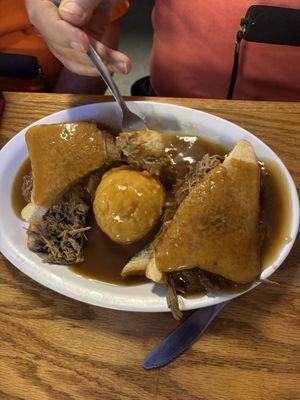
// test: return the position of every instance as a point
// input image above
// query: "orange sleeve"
(17, 36)
(13, 16)
(120, 9)
(27, 42)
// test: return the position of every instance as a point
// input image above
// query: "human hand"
(60, 28)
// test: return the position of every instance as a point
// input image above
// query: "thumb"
(78, 12)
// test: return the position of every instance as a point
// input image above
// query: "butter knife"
(182, 337)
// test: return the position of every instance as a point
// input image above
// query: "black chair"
(143, 87)
(21, 66)
(266, 25)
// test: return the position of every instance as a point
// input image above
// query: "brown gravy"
(105, 259)
(17, 199)
(277, 207)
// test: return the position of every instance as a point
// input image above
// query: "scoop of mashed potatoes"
(128, 204)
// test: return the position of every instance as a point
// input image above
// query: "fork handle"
(105, 74)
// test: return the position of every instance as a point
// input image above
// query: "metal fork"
(130, 120)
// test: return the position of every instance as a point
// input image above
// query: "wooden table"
(52, 347)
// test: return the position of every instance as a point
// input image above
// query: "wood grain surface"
(52, 347)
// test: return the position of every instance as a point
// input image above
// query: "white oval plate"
(147, 297)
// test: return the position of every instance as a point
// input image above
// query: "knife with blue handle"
(182, 337)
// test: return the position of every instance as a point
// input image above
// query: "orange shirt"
(18, 36)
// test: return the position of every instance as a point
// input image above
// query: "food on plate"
(139, 263)
(216, 227)
(214, 232)
(58, 237)
(61, 155)
(172, 208)
(128, 203)
(67, 164)
(144, 150)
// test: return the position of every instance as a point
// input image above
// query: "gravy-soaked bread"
(144, 150)
(33, 213)
(138, 264)
(143, 143)
(216, 226)
(62, 154)
(143, 264)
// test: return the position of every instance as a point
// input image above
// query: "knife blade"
(182, 337)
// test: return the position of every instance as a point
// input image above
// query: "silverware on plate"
(130, 120)
(182, 337)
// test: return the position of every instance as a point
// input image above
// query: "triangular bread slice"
(61, 155)
(138, 264)
(216, 226)
(143, 263)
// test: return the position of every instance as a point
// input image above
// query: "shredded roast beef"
(59, 237)
(91, 182)
(172, 298)
(152, 164)
(196, 173)
(112, 152)
(192, 281)
(197, 280)
(143, 151)
(27, 186)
